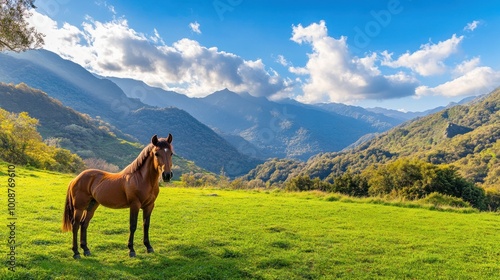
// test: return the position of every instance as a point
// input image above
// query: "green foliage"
(22, 144)
(414, 179)
(15, 32)
(304, 183)
(493, 198)
(274, 171)
(198, 180)
(439, 200)
(350, 184)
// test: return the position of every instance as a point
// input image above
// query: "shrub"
(438, 200)
(493, 199)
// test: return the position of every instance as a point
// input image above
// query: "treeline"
(407, 179)
(20, 143)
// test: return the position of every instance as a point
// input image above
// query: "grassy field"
(219, 234)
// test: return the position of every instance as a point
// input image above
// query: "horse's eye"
(157, 154)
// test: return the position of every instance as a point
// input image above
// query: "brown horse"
(135, 187)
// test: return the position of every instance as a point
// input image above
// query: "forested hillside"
(95, 141)
(467, 136)
(64, 127)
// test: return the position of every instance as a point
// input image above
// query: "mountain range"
(262, 128)
(101, 99)
(223, 130)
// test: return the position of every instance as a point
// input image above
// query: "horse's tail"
(67, 223)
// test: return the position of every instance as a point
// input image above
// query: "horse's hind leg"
(85, 224)
(76, 226)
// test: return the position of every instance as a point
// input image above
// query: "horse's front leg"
(146, 216)
(134, 212)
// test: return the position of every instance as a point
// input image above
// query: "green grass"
(221, 234)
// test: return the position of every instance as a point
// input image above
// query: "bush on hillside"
(414, 179)
(440, 200)
(20, 143)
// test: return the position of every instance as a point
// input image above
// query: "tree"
(15, 32)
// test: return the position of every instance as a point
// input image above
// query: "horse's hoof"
(76, 256)
(87, 253)
(151, 250)
(132, 254)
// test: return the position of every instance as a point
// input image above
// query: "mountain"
(66, 127)
(263, 128)
(381, 122)
(62, 126)
(405, 116)
(465, 136)
(77, 88)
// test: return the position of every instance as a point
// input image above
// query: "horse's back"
(105, 188)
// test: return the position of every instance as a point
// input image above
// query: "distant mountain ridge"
(405, 116)
(100, 98)
(268, 129)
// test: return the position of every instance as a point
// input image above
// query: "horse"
(135, 187)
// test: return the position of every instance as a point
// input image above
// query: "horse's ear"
(154, 140)
(169, 139)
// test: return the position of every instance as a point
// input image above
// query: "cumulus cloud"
(466, 66)
(479, 80)
(115, 49)
(427, 61)
(335, 76)
(195, 27)
(471, 26)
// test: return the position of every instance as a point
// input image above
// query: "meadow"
(236, 234)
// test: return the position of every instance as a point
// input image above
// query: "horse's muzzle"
(167, 176)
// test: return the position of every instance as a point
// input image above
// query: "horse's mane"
(141, 158)
(139, 161)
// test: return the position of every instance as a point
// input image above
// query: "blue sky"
(398, 54)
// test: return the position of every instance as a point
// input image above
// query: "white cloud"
(195, 27)
(466, 66)
(336, 76)
(479, 80)
(427, 61)
(282, 60)
(114, 49)
(472, 25)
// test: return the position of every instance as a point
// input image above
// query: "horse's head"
(163, 152)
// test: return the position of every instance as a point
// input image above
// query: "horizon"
(398, 55)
